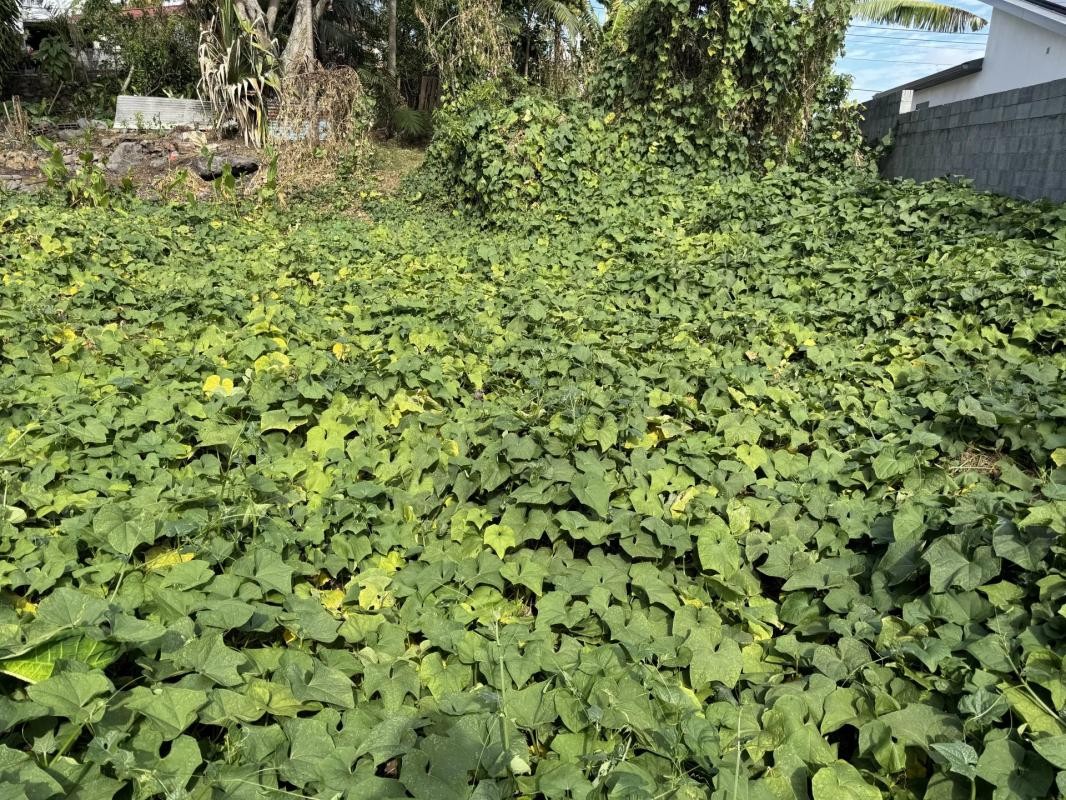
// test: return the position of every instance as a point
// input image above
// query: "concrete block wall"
(880, 115)
(1012, 143)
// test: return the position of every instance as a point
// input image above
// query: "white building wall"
(43, 10)
(1018, 54)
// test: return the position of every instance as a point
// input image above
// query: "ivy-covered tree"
(739, 79)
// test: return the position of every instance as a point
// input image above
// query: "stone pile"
(142, 156)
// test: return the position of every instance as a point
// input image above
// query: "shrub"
(154, 49)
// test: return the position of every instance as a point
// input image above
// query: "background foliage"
(155, 50)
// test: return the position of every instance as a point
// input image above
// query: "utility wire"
(927, 42)
(897, 61)
(911, 30)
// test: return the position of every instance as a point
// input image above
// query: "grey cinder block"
(1012, 142)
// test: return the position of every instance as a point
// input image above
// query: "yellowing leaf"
(271, 362)
(12, 514)
(215, 384)
(648, 441)
(752, 456)
(677, 508)
(1037, 717)
(500, 538)
(403, 403)
(425, 339)
(20, 604)
(391, 563)
(332, 599)
(158, 559)
(38, 663)
(375, 595)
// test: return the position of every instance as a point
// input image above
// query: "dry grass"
(323, 114)
(974, 460)
(392, 163)
(14, 123)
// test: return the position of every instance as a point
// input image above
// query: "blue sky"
(881, 57)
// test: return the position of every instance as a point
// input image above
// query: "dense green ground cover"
(754, 490)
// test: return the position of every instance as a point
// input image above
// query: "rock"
(211, 168)
(18, 160)
(194, 138)
(126, 156)
(20, 183)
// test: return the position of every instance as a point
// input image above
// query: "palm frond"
(921, 15)
(580, 20)
(411, 124)
(10, 38)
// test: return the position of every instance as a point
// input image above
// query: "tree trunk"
(557, 55)
(299, 54)
(392, 45)
(525, 59)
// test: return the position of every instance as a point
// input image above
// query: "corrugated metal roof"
(134, 112)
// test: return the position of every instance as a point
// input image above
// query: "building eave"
(1043, 13)
(937, 78)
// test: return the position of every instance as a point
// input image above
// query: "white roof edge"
(1032, 13)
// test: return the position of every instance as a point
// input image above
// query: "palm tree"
(10, 38)
(920, 15)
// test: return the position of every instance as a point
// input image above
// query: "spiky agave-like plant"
(238, 71)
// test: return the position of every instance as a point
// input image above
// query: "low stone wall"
(144, 157)
(1012, 143)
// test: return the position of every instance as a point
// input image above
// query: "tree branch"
(272, 14)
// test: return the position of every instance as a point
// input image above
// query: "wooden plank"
(160, 113)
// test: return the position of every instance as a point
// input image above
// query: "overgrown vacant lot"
(755, 489)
